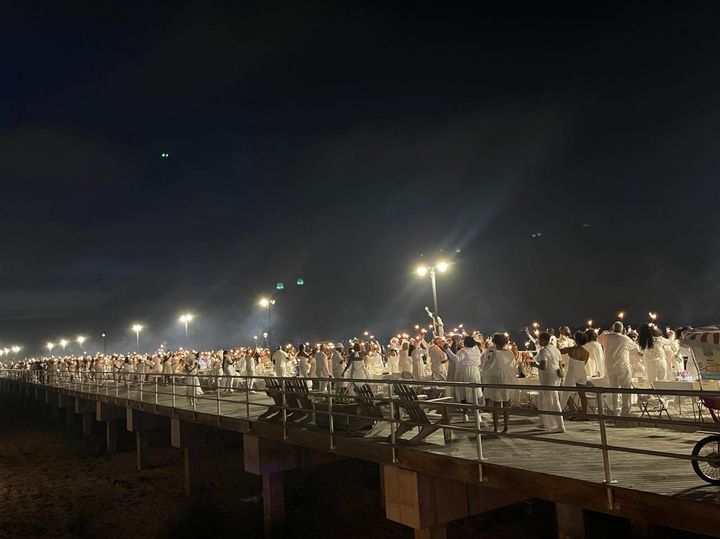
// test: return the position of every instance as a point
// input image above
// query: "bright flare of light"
(621, 315)
(63, 343)
(137, 328)
(653, 316)
(421, 271)
(81, 340)
(187, 317)
(442, 266)
(50, 346)
(589, 323)
(265, 302)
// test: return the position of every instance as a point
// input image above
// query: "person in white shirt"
(617, 363)
(548, 363)
(651, 345)
(405, 364)
(595, 366)
(338, 364)
(438, 359)
(279, 358)
(498, 367)
(321, 367)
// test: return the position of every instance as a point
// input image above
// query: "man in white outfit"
(617, 349)
(438, 359)
(321, 367)
(548, 364)
(279, 358)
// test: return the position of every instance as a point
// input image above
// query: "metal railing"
(378, 412)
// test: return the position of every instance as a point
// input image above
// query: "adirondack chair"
(273, 389)
(427, 423)
(368, 408)
(297, 395)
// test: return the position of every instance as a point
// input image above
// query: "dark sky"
(339, 143)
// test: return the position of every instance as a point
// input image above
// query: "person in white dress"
(393, 362)
(405, 364)
(577, 358)
(192, 382)
(167, 369)
(548, 363)
(356, 364)
(338, 364)
(498, 367)
(416, 356)
(595, 366)
(651, 346)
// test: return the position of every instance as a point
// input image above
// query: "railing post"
(331, 421)
(247, 404)
(172, 387)
(603, 439)
(284, 408)
(156, 389)
(478, 422)
(393, 424)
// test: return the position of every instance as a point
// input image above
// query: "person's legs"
(613, 381)
(506, 415)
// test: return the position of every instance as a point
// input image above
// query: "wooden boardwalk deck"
(646, 487)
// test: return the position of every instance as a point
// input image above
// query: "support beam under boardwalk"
(188, 437)
(427, 503)
(570, 521)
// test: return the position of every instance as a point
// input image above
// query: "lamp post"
(63, 343)
(186, 319)
(81, 341)
(137, 328)
(267, 303)
(50, 346)
(422, 271)
(104, 338)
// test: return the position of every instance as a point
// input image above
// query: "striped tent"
(704, 335)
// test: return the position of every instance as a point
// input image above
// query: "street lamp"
(186, 319)
(81, 341)
(63, 343)
(50, 346)
(104, 338)
(137, 328)
(422, 271)
(267, 303)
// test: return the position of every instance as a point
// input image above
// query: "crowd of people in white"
(611, 358)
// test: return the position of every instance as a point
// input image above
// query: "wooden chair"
(368, 409)
(297, 396)
(427, 423)
(273, 389)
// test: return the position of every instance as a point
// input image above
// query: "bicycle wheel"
(708, 447)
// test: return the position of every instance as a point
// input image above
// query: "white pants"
(550, 401)
(621, 379)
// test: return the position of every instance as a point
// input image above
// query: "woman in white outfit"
(416, 355)
(192, 387)
(404, 362)
(576, 374)
(498, 367)
(651, 346)
(356, 364)
(167, 369)
(393, 362)
(547, 362)
(303, 361)
(595, 365)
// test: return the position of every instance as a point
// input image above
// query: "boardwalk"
(644, 484)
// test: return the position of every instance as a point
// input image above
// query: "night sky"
(344, 143)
